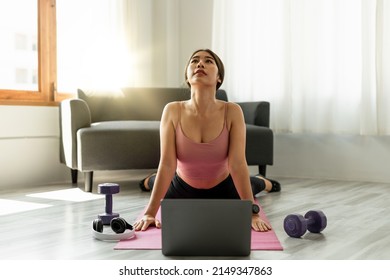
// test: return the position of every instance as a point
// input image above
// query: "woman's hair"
(218, 62)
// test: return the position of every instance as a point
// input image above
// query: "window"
(28, 53)
(54, 46)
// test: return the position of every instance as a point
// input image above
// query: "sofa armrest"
(74, 114)
(256, 112)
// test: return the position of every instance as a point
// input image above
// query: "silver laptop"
(206, 227)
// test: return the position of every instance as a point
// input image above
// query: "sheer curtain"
(322, 64)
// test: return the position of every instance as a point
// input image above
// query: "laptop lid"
(206, 227)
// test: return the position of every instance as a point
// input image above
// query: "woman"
(203, 147)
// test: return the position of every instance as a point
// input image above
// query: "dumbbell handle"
(109, 203)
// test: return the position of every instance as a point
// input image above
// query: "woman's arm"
(238, 167)
(166, 168)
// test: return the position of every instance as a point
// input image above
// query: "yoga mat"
(151, 239)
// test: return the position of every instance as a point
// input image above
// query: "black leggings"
(224, 190)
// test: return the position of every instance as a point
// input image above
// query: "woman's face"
(202, 70)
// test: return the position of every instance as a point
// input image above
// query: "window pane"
(18, 48)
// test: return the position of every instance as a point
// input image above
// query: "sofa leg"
(74, 173)
(88, 178)
(263, 169)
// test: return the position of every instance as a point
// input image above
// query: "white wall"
(29, 146)
(342, 157)
(29, 136)
(163, 34)
(195, 28)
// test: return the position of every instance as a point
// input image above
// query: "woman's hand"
(259, 225)
(145, 222)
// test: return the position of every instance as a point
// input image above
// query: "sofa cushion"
(125, 144)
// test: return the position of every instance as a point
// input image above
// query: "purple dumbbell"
(296, 225)
(108, 189)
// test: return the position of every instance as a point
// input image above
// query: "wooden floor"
(358, 222)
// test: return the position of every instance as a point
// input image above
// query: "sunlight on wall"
(105, 67)
(92, 49)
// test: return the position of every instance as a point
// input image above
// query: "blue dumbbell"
(296, 225)
(108, 189)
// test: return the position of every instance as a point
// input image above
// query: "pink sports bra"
(197, 162)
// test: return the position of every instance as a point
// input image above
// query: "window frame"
(47, 94)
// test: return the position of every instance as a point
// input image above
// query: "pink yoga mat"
(151, 239)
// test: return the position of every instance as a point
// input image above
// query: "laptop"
(206, 227)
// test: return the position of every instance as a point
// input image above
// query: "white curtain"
(324, 65)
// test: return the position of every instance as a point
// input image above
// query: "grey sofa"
(119, 130)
